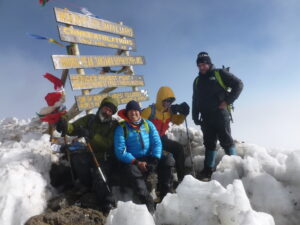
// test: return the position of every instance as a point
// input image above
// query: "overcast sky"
(259, 40)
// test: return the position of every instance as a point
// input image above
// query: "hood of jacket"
(162, 94)
(109, 101)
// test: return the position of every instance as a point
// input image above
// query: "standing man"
(161, 114)
(99, 129)
(214, 91)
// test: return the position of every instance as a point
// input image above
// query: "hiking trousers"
(137, 178)
(88, 175)
(216, 126)
(178, 153)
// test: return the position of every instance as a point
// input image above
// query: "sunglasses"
(169, 100)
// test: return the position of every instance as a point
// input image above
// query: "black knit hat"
(133, 105)
(203, 57)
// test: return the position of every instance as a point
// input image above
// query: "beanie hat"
(133, 105)
(203, 57)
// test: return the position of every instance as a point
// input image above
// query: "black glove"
(61, 125)
(184, 109)
(197, 122)
(175, 108)
(82, 132)
(152, 164)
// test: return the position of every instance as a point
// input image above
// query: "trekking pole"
(96, 163)
(190, 148)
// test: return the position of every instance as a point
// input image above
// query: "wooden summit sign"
(78, 19)
(85, 102)
(89, 38)
(69, 62)
(103, 81)
(117, 36)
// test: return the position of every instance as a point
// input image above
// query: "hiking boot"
(107, 207)
(148, 200)
(151, 206)
(205, 174)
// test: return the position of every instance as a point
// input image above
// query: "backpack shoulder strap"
(153, 112)
(147, 126)
(125, 129)
(123, 125)
(221, 83)
(219, 79)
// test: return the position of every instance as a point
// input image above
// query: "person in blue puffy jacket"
(138, 146)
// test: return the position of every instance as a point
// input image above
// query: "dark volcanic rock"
(69, 216)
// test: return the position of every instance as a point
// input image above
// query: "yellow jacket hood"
(162, 94)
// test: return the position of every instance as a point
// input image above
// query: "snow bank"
(128, 213)
(258, 182)
(24, 168)
(271, 178)
(197, 202)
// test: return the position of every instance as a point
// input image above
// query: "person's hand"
(223, 105)
(142, 166)
(175, 108)
(184, 109)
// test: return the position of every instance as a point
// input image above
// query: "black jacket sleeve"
(195, 101)
(234, 83)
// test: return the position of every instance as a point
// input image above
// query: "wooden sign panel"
(103, 81)
(85, 102)
(84, 37)
(69, 62)
(78, 19)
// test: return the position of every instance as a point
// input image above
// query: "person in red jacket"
(161, 114)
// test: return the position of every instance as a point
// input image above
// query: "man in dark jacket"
(99, 129)
(214, 90)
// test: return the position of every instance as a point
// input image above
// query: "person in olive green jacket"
(99, 129)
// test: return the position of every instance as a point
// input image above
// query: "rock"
(69, 216)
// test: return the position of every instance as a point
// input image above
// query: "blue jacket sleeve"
(120, 146)
(155, 142)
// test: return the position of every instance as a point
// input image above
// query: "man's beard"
(104, 117)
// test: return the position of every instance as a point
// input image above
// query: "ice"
(25, 161)
(198, 202)
(128, 213)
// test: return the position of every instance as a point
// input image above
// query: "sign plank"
(89, 38)
(78, 19)
(85, 102)
(103, 81)
(69, 62)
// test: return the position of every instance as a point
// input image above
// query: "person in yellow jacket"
(161, 114)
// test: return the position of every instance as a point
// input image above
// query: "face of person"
(203, 68)
(167, 103)
(134, 115)
(106, 112)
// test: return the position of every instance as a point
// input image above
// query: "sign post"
(103, 35)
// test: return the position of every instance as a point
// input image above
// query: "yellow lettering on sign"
(78, 19)
(100, 81)
(84, 37)
(67, 62)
